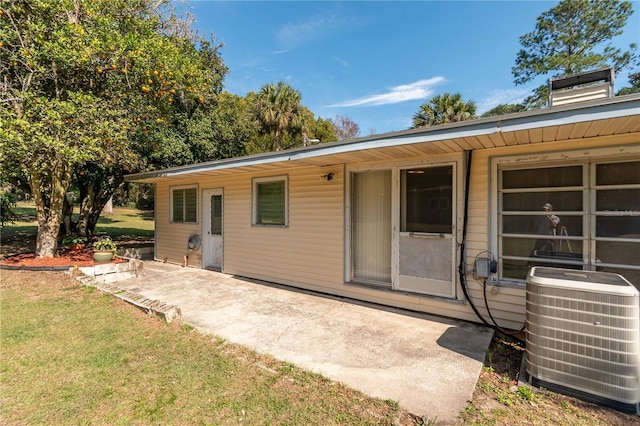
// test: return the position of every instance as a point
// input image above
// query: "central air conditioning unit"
(583, 337)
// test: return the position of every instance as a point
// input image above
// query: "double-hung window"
(184, 204)
(579, 215)
(270, 201)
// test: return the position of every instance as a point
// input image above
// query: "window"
(184, 203)
(270, 201)
(216, 215)
(577, 216)
(427, 200)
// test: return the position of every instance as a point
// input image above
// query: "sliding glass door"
(371, 227)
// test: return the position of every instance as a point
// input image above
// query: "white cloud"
(406, 92)
(296, 34)
(341, 61)
(500, 97)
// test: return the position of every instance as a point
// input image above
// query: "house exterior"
(392, 218)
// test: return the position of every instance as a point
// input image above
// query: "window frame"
(255, 182)
(172, 191)
(451, 201)
(582, 240)
(588, 160)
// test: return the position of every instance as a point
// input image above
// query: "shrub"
(7, 204)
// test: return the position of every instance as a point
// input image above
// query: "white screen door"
(212, 228)
(426, 243)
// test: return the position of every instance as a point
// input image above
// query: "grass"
(124, 222)
(75, 356)
(499, 399)
(124, 225)
(70, 355)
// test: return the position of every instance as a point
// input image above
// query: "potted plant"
(74, 242)
(104, 249)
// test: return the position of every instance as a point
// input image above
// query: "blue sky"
(376, 62)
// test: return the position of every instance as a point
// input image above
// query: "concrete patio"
(429, 365)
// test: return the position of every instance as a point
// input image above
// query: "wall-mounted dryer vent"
(583, 337)
(194, 242)
(583, 87)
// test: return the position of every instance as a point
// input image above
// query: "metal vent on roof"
(582, 87)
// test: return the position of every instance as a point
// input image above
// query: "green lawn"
(125, 223)
(70, 355)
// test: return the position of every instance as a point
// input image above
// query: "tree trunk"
(107, 210)
(94, 195)
(66, 227)
(49, 199)
(86, 202)
(278, 141)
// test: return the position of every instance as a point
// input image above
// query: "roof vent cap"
(587, 86)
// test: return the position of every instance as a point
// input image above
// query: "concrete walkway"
(429, 365)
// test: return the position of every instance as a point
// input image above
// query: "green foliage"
(634, 85)
(73, 240)
(232, 126)
(7, 206)
(504, 109)
(442, 109)
(323, 130)
(278, 109)
(526, 393)
(84, 83)
(105, 244)
(572, 37)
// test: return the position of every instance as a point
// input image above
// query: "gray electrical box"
(483, 268)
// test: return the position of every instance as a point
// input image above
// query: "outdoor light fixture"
(328, 177)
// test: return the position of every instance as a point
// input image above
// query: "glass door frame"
(459, 165)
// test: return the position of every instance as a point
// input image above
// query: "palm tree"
(445, 108)
(278, 108)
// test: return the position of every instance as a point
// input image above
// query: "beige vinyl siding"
(171, 238)
(310, 252)
(307, 252)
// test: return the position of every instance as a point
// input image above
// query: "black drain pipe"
(461, 267)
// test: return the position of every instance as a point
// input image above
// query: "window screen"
(184, 205)
(270, 201)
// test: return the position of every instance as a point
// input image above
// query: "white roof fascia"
(572, 116)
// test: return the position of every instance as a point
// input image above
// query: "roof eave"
(619, 106)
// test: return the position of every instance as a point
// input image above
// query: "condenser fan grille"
(583, 335)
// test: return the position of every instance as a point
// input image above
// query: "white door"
(212, 228)
(427, 243)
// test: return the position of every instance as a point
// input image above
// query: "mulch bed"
(66, 258)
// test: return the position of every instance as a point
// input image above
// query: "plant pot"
(102, 256)
(76, 247)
